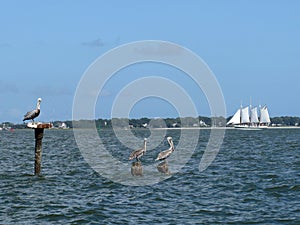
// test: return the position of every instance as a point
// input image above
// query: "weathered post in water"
(137, 168)
(39, 134)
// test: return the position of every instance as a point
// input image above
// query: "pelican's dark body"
(137, 154)
(32, 114)
(165, 154)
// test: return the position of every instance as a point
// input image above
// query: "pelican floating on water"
(139, 153)
(31, 115)
(165, 154)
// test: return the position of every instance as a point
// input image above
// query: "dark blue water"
(255, 179)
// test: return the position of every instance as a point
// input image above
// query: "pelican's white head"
(170, 142)
(38, 103)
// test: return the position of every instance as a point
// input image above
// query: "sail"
(264, 115)
(245, 115)
(236, 119)
(254, 116)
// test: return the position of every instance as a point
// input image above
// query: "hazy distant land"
(201, 121)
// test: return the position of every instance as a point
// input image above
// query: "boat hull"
(250, 127)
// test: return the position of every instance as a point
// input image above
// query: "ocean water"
(255, 179)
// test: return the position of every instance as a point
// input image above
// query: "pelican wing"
(31, 114)
(135, 153)
(164, 154)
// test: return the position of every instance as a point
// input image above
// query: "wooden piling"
(39, 134)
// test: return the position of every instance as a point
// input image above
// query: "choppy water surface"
(255, 179)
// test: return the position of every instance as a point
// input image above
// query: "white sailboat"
(242, 119)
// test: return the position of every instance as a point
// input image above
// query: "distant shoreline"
(201, 122)
(181, 128)
(220, 128)
(171, 128)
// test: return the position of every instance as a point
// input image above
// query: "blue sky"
(252, 47)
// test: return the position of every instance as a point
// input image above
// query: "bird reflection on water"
(163, 167)
(137, 168)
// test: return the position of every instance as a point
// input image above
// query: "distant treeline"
(201, 121)
(153, 123)
(286, 121)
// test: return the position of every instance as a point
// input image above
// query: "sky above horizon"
(252, 47)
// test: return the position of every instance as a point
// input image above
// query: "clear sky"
(252, 47)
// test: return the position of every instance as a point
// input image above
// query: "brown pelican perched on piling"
(165, 154)
(31, 115)
(138, 153)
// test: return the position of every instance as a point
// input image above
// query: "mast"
(241, 107)
(250, 107)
